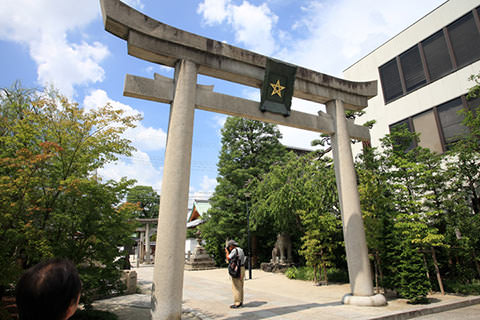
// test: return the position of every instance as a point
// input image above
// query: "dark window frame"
(395, 64)
(473, 14)
(438, 123)
(437, 68)
(476, 15)
(415, 78)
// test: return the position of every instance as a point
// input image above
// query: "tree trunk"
(475, 261)
(325, 273)
(379, 265)
(426, 266)
(437, 271)
(376, 276)
(323, 266)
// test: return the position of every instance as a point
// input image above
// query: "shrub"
(291, 273)
(463, 288)
(306, 273)
(93, 315)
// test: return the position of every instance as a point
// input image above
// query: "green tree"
(412, 282)
(299, 198)
(147, 200)
(463, 220)
(277, 197)
(53, 204)
(413, 175)
(320, 217)
(249, 149)
(377, 210)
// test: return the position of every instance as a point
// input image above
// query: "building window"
(451, 121)
(474, 105)
(390, 77)
(437, 56)
(426, 126)
(437, 133)
(465, 40)
(412, 69)
(449, 49)
(406, 143)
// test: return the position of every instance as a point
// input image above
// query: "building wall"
(442, 90)
(190, 245)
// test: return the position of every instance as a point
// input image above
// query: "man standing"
(232, 251)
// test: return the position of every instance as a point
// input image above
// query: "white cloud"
(252, 24)
(143, 138)
(66, 65)
(147, 138)
(220, 120)
(137, 4)
(207, 187)
(293, 137)
(307, 106)
(337, 33)
(208, 184)
(213, 11)
(161, 69)
(98, 98)
(138, 167)
(44, 26)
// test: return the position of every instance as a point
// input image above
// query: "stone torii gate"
(190, 55)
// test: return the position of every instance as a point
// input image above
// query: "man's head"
(50, 290)
(232, 244)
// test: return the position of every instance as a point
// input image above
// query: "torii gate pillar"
(359, 271)
(172, 220)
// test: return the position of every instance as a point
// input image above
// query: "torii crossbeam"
(192, 54)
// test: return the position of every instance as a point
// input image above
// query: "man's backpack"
(234, 266)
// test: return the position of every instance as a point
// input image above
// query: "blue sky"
(63, 43)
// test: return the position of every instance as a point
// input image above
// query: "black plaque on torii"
(277, 88)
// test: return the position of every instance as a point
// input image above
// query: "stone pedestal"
(275, 267)
(130, 280)
(199, 260)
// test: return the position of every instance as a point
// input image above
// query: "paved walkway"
(207, 295)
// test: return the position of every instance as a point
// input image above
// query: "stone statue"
(282, 251)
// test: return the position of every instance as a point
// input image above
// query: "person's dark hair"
(47, 290)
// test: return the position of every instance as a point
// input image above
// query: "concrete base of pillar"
(377, 300)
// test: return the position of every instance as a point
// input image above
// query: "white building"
(422, 75)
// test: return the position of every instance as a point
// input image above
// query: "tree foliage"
(146, 199)
(249, 149)
(53, 204)
(321, 218)
(299, 198)
(421, 209)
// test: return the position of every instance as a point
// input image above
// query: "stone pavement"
(207, 295)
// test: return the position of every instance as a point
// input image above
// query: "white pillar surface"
(172, 219)
(353, 231)
(141, 246)
(147, 243)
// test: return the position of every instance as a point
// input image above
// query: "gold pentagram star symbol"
(277, 88)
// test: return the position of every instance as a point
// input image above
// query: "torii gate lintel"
(161, 89)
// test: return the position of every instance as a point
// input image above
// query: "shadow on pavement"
(254, 304)
(272, 312)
